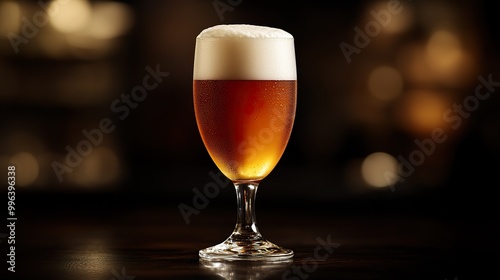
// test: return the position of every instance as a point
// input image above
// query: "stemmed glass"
(244, 91)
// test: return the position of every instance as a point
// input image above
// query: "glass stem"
(246, 224)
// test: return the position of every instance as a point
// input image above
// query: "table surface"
(103, 239)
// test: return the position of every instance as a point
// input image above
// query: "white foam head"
(244, 52)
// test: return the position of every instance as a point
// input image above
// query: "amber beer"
(244, 91)
(245, 125)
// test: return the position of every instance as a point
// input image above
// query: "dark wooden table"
(111, 237)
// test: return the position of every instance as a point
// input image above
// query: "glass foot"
(246, 269)
(249, 250)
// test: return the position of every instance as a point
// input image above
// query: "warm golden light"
(392, 23)
(440, 61)
(27, 168)
(444, 52)
(10, 18)
(378, 168)
(422, 110)
(385, 83)
(109, 20)
(70, 16)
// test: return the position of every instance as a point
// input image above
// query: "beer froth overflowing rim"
(244, 52)
(243, 31)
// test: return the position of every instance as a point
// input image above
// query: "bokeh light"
(422, 111)
(385, 83)
(444, 51)
(70, 16)
(392, 23)
(379, 170)
(10, 18)
(101, 167)
(109, 20)
(27, 168)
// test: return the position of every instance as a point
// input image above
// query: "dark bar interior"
(389, 173)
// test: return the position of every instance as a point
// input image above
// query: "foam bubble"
(244, 52)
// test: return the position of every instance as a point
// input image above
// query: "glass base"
(248, 250)
(246, 269)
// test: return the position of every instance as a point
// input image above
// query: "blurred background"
(374, 79)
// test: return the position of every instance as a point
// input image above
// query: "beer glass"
(244, 92)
